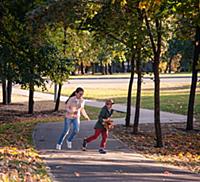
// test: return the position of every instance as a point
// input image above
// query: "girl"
(74, 107)
(104, 116)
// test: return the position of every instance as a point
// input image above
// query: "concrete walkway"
(118, 165)
(146, 115)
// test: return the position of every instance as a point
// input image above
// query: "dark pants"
(104, 134)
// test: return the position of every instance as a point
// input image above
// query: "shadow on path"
(119, 164)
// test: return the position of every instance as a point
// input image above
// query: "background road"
(126, 80)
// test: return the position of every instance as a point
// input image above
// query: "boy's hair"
(109, 101)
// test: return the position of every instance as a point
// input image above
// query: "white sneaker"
(69, 144)
(58, 147)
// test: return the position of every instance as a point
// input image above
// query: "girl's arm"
(68, 106)
(83, 112)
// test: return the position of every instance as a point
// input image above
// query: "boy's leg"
(104, 134)
(93, 137)
(75, 129)
(65, 131)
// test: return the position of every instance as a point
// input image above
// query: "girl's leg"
(104, 135)
(75, 123)
(93, 137)
(65, 131)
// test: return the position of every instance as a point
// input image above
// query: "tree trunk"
(110, 68)
(93, 68)
(170, 64)
(138, 97)
(157, 103)
(128, 66)
(86, 70)
(123, 67)
(82, 68)
(58, 98)
(139, 80)
(190, 114)
(157, 87)
(31, 96)
(128, 111)
(55, 91)
(4, 90)
(9, 91)
(156, 51)
(106, 69)
(102, 69)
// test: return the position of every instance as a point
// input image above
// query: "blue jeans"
(67, 124)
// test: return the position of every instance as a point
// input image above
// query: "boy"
(104, 116)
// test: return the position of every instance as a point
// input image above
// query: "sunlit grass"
(102, 91)
(93, 113)
(174, 96)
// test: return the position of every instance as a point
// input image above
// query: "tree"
(106, 23)
(153, 14)
(67, 14)
(11, 18)
(188, 15)
(60, 73)
(190, 114)
(7, 54)
(179, 47)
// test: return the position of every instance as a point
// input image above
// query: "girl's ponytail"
(79, 89)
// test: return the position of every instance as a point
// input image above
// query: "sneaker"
(58, 147)
(102, 151)
(69, 144)
(84, 145)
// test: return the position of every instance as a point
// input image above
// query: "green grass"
(170, 103)
(174, 96)
(172, 100)
(93, 113)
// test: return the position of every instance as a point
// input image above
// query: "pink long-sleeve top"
(74, 107)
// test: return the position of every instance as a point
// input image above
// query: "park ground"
(19, 159)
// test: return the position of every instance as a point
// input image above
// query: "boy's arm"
(102, 115)
(111, 112)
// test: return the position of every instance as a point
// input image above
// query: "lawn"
(174, 96)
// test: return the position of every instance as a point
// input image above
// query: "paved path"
(118, 165)
(146, 115)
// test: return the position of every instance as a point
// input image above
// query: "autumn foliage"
(180, 148)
